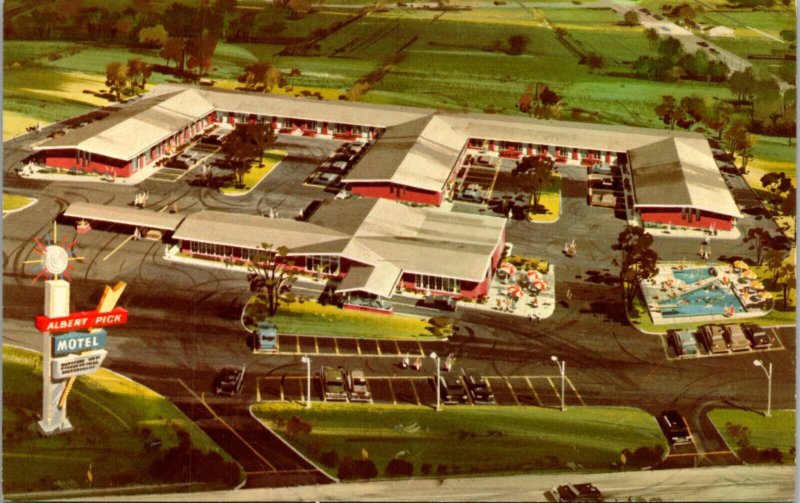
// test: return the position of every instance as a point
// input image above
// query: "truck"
(357, 387)
(713, 338)
(332, 381)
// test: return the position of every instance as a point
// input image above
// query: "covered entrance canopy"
(124, 215)
(379, 280)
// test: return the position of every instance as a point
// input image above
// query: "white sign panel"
(77, 365)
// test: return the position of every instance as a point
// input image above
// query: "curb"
(251, 189)
(287, 444)
(721, 436)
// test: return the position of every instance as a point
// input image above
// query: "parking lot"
(419, 389)
(386, 348)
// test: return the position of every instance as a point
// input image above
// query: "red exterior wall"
(471, 289)
(673, 216)
(65, 159)
(396, 193)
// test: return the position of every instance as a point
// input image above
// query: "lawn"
(461, 439)
(312, 318)
(114, 419)
(777, 431)
(256, 173)
(13, 202)
(550, 200)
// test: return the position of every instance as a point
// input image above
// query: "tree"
(742, 83)
(399, 468)
(774, 261)
(758, 238)
(652, 37)
(274, 79)
(789, 35)
(526, 101)
(631, 18)
(637, 262)
(261, 135)
(669, 110)
(200, 53)
(594, 61)
(740, 141)
(718, 116)
(174, 50)
(181, 20)
(670, 47)
(240, 147)
(153, 36)
(138, 74)
(517, 44)
(254, 75)
(116, 77)
(538, 173)
(787, 280)
(270, 275)
(692, 111)
(776, 182)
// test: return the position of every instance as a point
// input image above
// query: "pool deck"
(661, 290)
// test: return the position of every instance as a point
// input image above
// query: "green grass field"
(113, 420)
(765, 432)
(470, 439)
(312, 318)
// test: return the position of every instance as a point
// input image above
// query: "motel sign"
(82, 320)
(74, 342)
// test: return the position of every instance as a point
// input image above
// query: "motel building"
(371, 248)
(416, 153)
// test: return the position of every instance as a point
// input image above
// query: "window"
(436, 283)
(328, 264)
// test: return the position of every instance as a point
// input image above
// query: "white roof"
(420, 153)
(123, 215)
(680, 172)
(133, 129)
(378, 280)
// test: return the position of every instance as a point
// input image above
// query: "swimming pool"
(710, 299)
(690, 276)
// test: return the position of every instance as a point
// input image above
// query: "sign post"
(54, 418)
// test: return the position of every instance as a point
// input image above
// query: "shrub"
(441, 321)
(296, 426)
(425, 469)
(330, 459)
(441, 470)
(350, 469)
(399, 468)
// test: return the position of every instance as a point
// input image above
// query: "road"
(184, 321)
(735, 483)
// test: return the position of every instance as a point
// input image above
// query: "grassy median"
(123, 434)
(256, 173)
(549, 207)
(463, 439)
(13, 202)
(755, 437)
(312, 318)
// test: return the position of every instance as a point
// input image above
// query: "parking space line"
(302, 395)
(414, 389)
(316, 345)
(258, 389)
(282, 381)
(297, 342)
(421, 351)
(576, 391)
(378, 347)
(535, 394)
(336, 345)
(712, 453)
(224, 423)
(558, 395)
(358, 347)
(397, 347)
(112, 252)
(511, 389)
(391, 390)
(494, 180)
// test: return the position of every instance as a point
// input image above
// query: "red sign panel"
(82, 320)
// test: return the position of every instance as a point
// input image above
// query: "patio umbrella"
(739, 264)
(766, 295)
(508, 268)
(757, 285)
(515, 291)
(749, 274)
(533, 275)
(539, 284)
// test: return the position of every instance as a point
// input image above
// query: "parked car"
(757, 335)
(357, 387)
(683, 342)
(735, 337)
(183, 160)
(442, 302)
(676, 427)
(471, 194)
(478, 388)
(266, 336)
(713, 338)
(229, 381)
(332, 381)
(340, 167)
(702, 44)
(325, 178)
(451, 391)
(575, 492)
